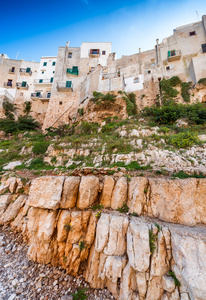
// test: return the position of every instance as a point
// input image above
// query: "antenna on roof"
(17, 54)
(198, 16)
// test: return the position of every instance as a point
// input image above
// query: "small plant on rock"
(172, 274)
(68, 227)
(134, 214)
(79, 294)
(82, 245)
(97, 207)
(152, 240)
(124, 208)
(98, 214)
(158, 227)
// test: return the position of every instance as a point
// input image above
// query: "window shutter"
(23, 84)
(69, 84)
(91, 51)
(40, 80)
(169, 53)
(97, 51)
(51, 80)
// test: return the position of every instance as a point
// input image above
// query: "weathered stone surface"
(168, 283)
(88, 191)
(45, 192)
(4, 202)
(13, 209)
(119, 195)
(70, 192)
(138, 245)
(106, 195)
(176, 200)
(137, 195)
(20, 222)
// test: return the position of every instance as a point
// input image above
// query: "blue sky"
(37, 28)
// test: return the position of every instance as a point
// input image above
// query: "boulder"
(88, 191)
(45, 192)
(106, 195)
(119, 195)
(70, 192)
(136, 195)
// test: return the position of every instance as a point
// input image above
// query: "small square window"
(136, 80)
(54, 63)
(167, 68)
(204, 48)
(70, 55)
(53, 71)
(60, 102)
(42, 72)
(148, 71)
(172, 53)
(192, 33)
(45, 64)
(103, 52)
(51, 80)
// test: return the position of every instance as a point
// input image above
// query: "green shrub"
(152, 241)
(9, 109)
(184, 139)
(81, 111)
(130, 100)
(182, 175)
(202, 81)
(79, 294)
(172, 274)
(185, 91)
(168, 92)
(87, 128)
(40, 147)
(174, 81)
(124, 208)
(27, 107)
(39, 164)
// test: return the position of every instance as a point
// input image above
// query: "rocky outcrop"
(139, 255)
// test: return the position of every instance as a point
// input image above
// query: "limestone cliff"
(136, 255)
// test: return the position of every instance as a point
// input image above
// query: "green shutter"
(68, 84)
(28, 70)
(51, 80)
(45, 63)
(40, 80)
(38, 94)
(169, 53)
(53, 64)
(23, 84)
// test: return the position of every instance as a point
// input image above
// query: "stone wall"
(129, 253)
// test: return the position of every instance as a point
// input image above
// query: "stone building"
(59, 86)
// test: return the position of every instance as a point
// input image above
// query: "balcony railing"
(8, 84)
(174, 55)
(12, 70)
(22, 85)
(25, 71)
(39, 95)
(65, 86)
(111, 75)
(43, 81)
(73, 71)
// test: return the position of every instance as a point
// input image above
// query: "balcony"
(25, 71)
(65, 87)
(94, 53)
(8, 85)
(22, 85)
(43, 81)
(111, 75)
(12, 71)
(73, 71)
(174, 55)
(41, 96)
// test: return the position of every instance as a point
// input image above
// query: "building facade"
(59, 86)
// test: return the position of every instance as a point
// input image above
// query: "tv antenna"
(198, 16)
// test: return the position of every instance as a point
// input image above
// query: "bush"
(130, 100)
(184, 139)
(168, 92)
(39, 164)
(185, 91)
(40, 147)
(9, 109)
(183, 175)
(202, 81)
(174, 81)
(87, 128)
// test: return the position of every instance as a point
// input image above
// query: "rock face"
(130, 254)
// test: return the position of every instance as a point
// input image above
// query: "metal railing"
(22, 85)
(62, 86)
(40, 95)
(73, 71)
(42, 81)
(7, 84)
(25, 71)
(174, 54)
(111, 75)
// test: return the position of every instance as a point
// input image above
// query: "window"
(12, 69)
(9, 82)
(167, 68)
(204, 48)
(94, 51)
(70, 55)
(172, 53)
(136, 80)
(159, 78)
(28, 70)
(53, 71)
(192, 33)
(51, 80)
(148, 71)
(40, 80)
(54, 63)
(103, 52)
(48, 95)
(38, 94)
(23, 84)
(68, 84)
(42, 72)
(60, 102)
(45, 64)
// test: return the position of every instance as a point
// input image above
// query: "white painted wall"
(85, 51)
(131, 86)
(48, 69)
